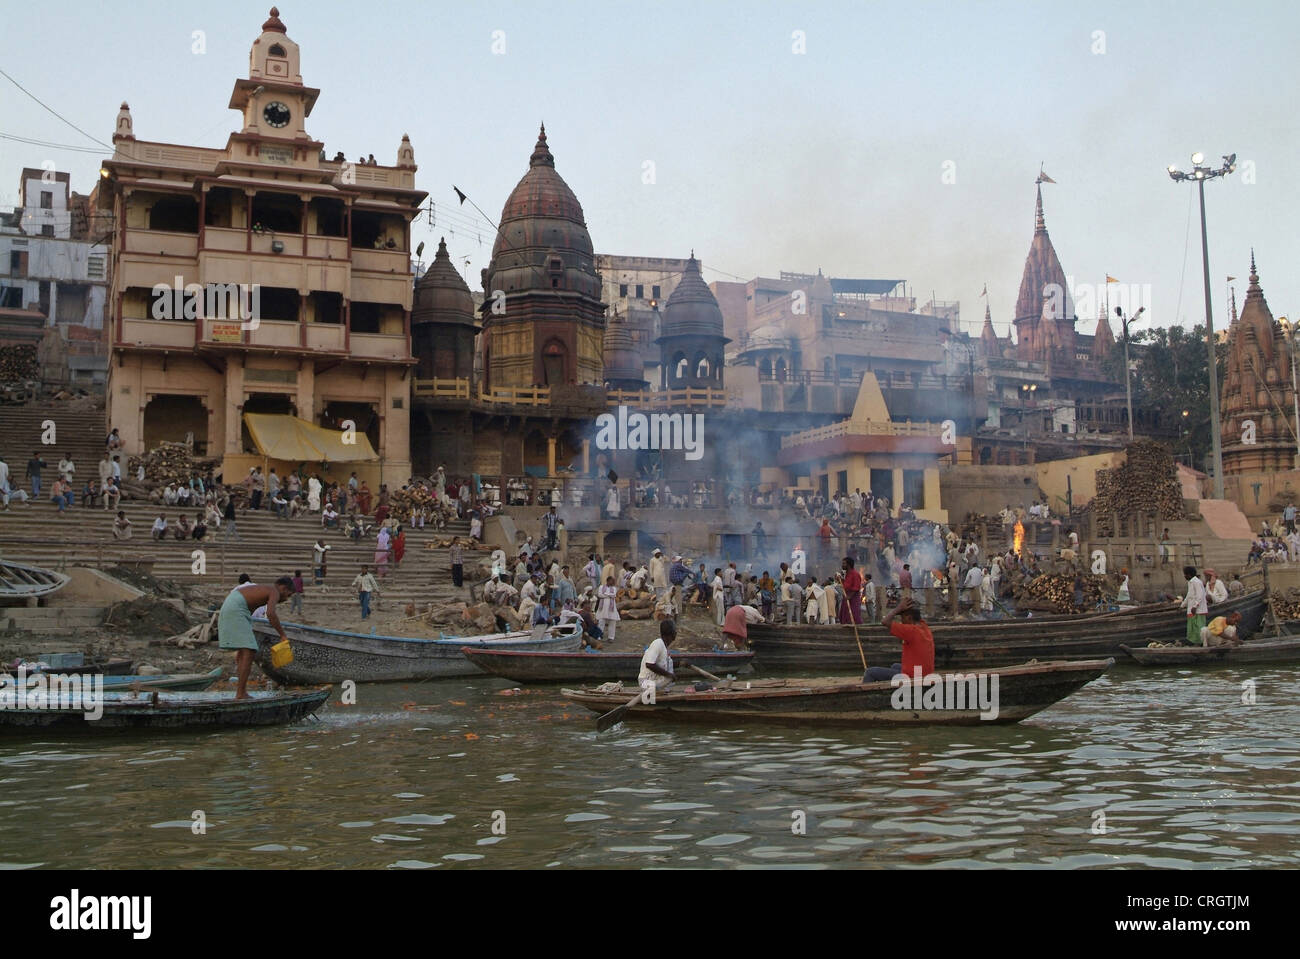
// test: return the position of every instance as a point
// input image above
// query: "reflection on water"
(1138, 769)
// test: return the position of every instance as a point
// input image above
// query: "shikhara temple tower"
(542, 314)
(1044, 308)
(1257, 390)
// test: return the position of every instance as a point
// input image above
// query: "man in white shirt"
(657, 662)
(1195, 604)
(159, 528)
(67, 469)
(1216, 590)
(658, 574)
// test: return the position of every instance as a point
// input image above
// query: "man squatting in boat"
(235, 623)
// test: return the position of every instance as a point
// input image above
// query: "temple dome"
(542, 242)
(441, 295)
(621, 359)
(692, 310)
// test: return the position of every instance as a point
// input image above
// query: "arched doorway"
(765, 369)
(170, 418)
(554, 363)
(780, 369)
(280, 404)
(362, 414)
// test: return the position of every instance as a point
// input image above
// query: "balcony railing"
(709, 398)
(511, 396)
(386, 346)
(861, 428)
(159, 242)
(381, 261)
(443, 389)
(168, 334)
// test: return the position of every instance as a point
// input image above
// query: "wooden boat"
(1021, 692)
(331, 656)
(168, 710)
(524, 666)
(1265, 650)
(979, 644)
(19, 581)
(193, 682)
(68, 664)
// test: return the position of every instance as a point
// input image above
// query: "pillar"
(897, 496)
(550, 456)
(933, 500)
(586, 457)
(632, 547)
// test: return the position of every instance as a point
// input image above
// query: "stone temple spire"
(1040, 224)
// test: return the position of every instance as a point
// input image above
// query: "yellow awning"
(282, 437)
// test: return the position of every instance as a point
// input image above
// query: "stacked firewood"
(1146, 483)
(18, 362)
(168, 463)
(1286, 606)
(635, 604)
(1052, 593)
(403, 502)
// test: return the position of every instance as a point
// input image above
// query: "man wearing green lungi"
(1197, 605)
(235, 623)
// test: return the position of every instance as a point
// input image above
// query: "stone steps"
(51, 619)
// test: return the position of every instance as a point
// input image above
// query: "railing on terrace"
(443, 389)
(867, 427)
(513, 396)
(668, 399)
(886, 378)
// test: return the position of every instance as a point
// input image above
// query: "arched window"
(780, 369)
(554, 357)
(679, 366)
(702, 366)
(764, 369)
(276, 50)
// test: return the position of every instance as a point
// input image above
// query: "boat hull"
(985, 644)
(172, 710)
(20, 581)
(564, 667)
(1022, 691)
(332, 656)
(177, 682)
(1282, 650)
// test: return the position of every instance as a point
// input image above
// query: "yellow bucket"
(281, 654)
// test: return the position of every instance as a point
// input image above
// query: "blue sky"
(764, 159)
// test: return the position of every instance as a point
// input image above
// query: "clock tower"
(272, 98)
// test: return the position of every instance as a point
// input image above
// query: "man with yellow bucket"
(235, 623)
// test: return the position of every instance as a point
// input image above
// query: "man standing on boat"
(1195, 603)
(904, 621)
(657, 662)
(235, 623)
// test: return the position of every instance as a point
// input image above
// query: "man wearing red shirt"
(852, 592)
(918, 644)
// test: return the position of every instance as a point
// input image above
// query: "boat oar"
(859, 639)
(724, 683)
(615, 716)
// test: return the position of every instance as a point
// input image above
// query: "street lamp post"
(1027, 390)
(1200, 174)
(1128, 389)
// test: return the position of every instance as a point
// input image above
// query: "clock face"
(276, 114)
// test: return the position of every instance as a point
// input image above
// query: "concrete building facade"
(260, 277)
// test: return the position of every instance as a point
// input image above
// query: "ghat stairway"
(267, 547)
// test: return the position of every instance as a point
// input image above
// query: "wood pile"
(1146, 483)
(18, 362)
(404, 502)
(1286, 607)
(166, 463)
(635, 604)
(1052, 593)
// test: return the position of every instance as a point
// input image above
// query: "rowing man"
(235, 625)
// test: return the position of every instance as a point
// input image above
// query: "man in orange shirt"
(904, 621)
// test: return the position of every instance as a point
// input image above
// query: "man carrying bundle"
(235, 623)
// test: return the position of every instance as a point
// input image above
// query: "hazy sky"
(764, 159)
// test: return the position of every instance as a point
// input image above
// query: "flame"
(1019, 536)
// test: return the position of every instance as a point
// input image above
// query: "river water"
(1139, 769)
